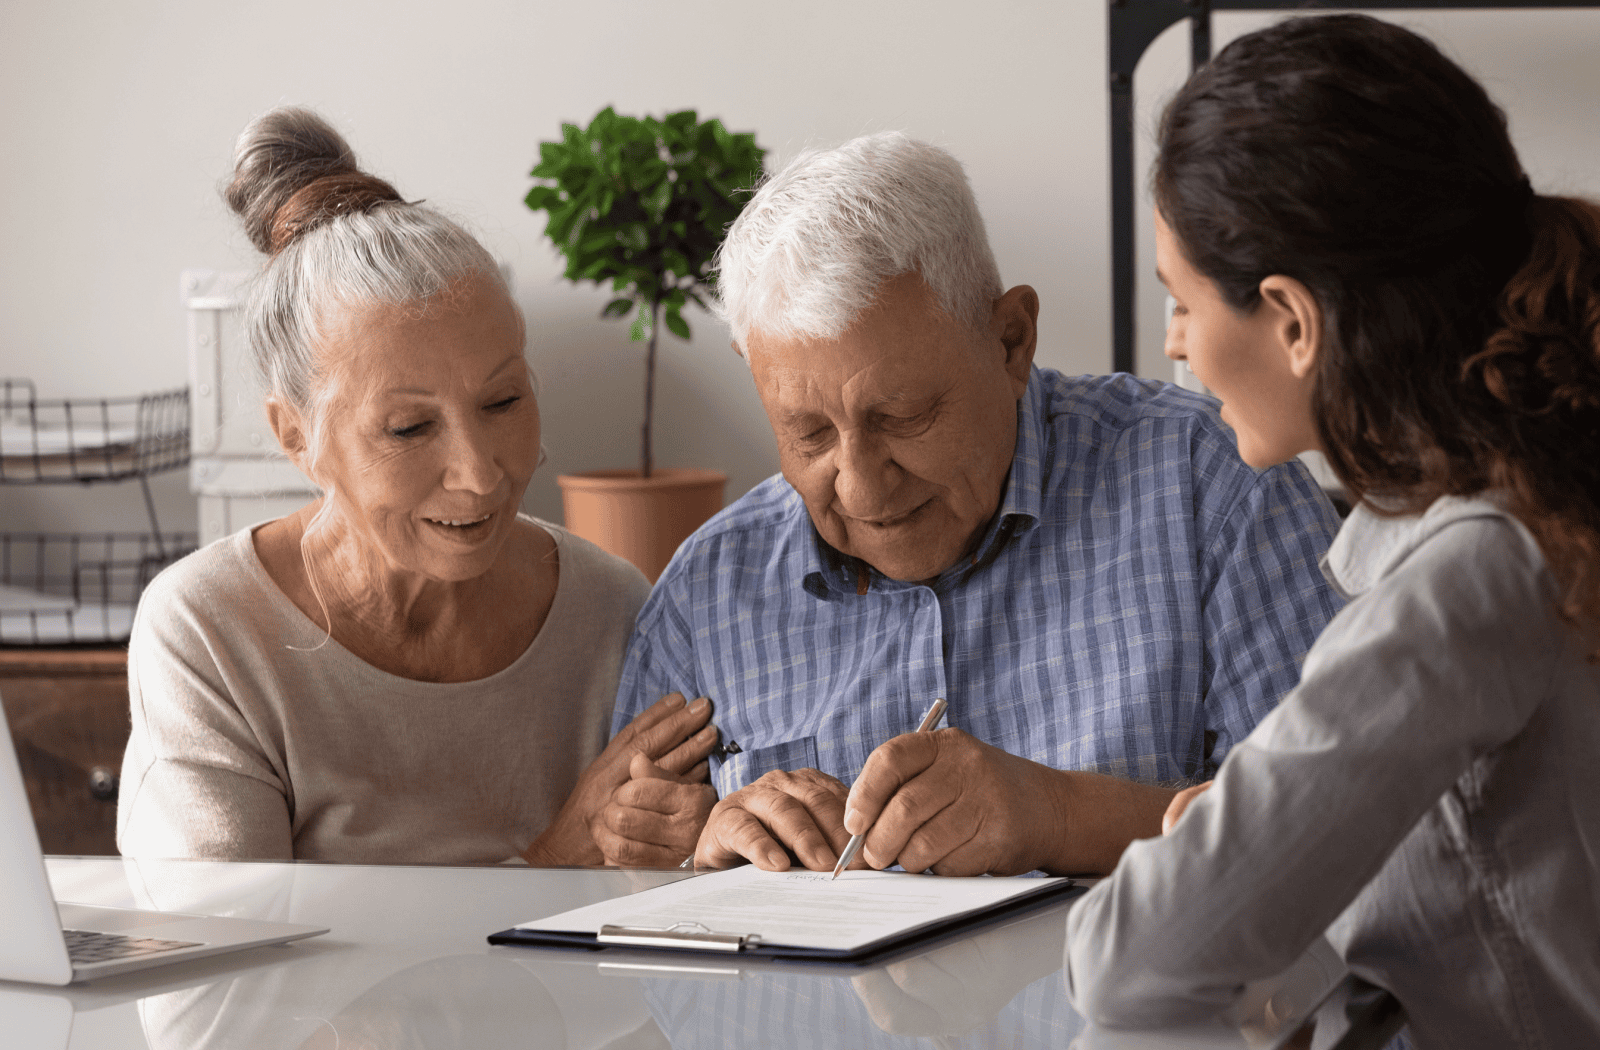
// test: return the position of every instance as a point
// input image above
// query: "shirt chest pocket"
(746, 767)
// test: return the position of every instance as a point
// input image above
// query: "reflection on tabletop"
(1000, 988)
(407, 966)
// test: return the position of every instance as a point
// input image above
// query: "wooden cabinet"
(68, 710)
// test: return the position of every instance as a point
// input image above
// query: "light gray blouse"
(1429, 795)
(257, 738)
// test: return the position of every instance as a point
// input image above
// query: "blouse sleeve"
(195, 780)
(1410, 683)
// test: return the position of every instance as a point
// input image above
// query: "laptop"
(47, 942)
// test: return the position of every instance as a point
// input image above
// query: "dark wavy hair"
(1461, 349)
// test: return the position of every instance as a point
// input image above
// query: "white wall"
(1540, 66)
(117, 121)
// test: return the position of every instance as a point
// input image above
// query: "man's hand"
(950, 802)
(801, 811)
(654, 820)
(673, 734)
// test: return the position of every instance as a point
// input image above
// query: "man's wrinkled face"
(899, 434)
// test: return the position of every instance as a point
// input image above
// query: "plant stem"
(646, 461)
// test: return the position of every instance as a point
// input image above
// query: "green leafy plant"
(642, 204)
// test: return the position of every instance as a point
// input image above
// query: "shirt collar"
(829, 573)
(1371, 544)
(1023, 499)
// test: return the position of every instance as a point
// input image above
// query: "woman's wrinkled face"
(430, 428)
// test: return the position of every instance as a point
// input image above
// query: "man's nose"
(866, 475)
(1173, 347)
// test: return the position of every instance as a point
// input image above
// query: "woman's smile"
(459, 529)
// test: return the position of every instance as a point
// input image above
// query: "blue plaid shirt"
(1139, 602)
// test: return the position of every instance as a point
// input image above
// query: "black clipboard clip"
(678, 935)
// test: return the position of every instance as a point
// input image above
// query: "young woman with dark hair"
(1360, 266)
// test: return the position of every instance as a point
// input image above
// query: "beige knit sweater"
(254, 740)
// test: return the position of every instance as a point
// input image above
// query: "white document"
(801, 909)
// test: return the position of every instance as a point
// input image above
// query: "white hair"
(809, 251)
(361, 247)
(334, 237)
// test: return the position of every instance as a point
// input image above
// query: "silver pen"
(929, 720)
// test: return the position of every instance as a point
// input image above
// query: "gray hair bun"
(291, 173)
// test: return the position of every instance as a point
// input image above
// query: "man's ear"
(290, 430)
(1295, 321)
(1014, 320)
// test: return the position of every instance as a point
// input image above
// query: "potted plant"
(642, 204)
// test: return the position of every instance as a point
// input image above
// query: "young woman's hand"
(671, 734)
(1179, 803)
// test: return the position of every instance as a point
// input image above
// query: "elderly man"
(1105, 594)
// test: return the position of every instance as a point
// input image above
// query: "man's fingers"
(793, 822)
(950, 848)
(802, 810)
(733, 836)
(909, 829)
(886, 769)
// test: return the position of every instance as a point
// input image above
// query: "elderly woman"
(406, 669)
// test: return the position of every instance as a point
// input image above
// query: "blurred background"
(117, 122)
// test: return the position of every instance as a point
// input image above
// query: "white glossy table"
(407, 966)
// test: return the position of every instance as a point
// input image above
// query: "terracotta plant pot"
(640, 519)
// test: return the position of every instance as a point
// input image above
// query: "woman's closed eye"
(417, 429)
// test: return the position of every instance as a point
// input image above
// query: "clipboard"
(689, 935)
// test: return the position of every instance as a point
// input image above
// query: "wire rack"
(89, 439)
(78, 588)
(81, 588)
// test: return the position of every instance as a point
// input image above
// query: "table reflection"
(406, 967)
(1000, 988)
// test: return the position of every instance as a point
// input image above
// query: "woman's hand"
(1179, 803)
(673, 735)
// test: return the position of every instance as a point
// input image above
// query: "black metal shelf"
(1132, 26)
(87, 440)
(81, 588)
(78, 588)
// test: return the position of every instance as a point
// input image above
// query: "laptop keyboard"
(87, 946)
